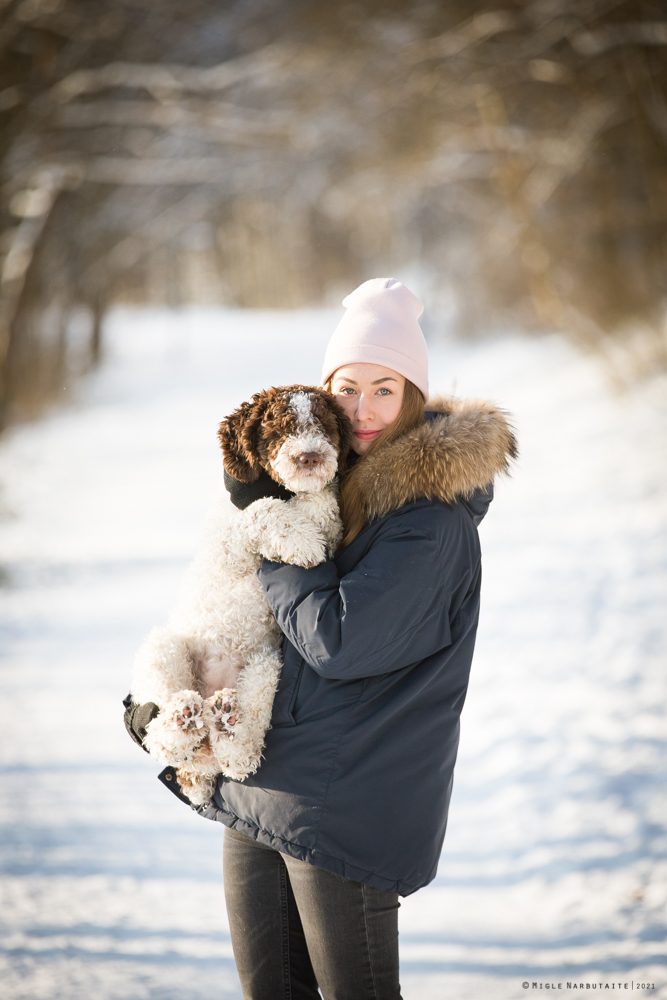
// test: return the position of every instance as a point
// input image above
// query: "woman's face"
(371, 396)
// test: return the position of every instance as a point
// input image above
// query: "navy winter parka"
(358, 763)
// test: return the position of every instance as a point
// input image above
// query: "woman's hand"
(137, 719)
(243, 494)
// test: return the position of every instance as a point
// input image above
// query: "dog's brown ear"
(344, 432)
(238, 437)
(343, 424)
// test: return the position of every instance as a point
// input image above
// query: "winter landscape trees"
(269, 154)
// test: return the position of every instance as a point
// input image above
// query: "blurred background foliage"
(267, 153)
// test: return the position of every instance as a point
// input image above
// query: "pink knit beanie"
(380, 327)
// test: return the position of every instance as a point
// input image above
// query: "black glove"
(243, 494)
(137, 718)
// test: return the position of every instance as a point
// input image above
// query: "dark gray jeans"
(295, 927)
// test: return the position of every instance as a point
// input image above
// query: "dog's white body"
(214, 668)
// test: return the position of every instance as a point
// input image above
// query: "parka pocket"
(288, 689)
(303, 695)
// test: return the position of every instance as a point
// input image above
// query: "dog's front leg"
(290, 531)
(280, 532)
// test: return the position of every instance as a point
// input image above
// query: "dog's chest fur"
(228, 609)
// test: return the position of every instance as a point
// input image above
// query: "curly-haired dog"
(214, 668)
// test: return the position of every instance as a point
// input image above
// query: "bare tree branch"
(151, 172)
(126, 253)
(170, 79)
(475, 30)
(594, 43)
(228, 123)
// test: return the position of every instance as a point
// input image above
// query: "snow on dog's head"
(296, 433)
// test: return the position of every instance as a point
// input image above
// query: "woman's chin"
(362, 446)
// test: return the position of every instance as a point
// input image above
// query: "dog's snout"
(308, 459)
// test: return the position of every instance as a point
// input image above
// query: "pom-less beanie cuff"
(380, 326)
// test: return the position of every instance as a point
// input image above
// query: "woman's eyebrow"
(387, 378)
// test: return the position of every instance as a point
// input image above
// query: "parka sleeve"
(391, 610)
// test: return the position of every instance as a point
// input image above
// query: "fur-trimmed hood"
(458, 450)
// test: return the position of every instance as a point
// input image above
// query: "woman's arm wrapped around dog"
(328, 617)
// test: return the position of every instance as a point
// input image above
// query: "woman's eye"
(346, 390)
(384, 391)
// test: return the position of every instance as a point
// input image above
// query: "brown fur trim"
(446, 458)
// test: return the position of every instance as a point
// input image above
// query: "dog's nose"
(309, 458)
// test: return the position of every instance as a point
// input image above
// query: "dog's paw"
(188, 712)
(303, 531)
(307, 548)
(221, 713)
(261, 520)
(277, 531)
(176, 734)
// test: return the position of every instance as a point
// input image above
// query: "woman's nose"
(364, 407)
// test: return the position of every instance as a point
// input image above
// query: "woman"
(349, 808)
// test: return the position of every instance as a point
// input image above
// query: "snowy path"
(554, 867)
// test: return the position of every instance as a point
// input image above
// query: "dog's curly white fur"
(214, 668)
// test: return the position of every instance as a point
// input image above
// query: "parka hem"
(311, 856)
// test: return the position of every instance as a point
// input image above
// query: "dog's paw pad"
(223, 713)
(188, 713)
(178, 730)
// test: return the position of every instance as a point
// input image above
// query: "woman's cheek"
(346, 402)
(392, 410)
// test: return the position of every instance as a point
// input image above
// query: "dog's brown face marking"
(297, 433)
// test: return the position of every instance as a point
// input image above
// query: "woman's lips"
(366, 435)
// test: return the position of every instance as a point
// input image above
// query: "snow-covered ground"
(554, 869)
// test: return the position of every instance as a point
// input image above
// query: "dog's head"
(297, 433)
